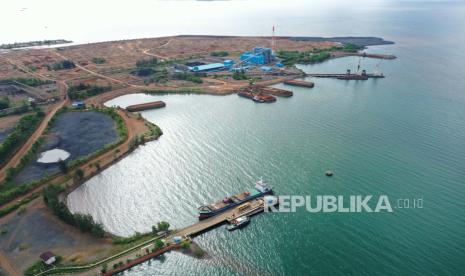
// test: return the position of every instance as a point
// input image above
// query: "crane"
(377, 73)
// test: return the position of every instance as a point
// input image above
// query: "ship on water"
(261, 189)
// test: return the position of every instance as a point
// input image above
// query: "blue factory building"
(213, 67)
(228, 63)
(208, 67)
(258, 56)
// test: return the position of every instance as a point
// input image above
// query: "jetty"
(348, 75)
(145, 106)
(307, 84)
(248, 209)
(362, 54)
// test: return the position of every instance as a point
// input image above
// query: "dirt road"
(16, 158)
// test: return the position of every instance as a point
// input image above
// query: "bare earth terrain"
(33, 229)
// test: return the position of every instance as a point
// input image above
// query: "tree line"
(21, 132)
(83, 90)
(84, 222)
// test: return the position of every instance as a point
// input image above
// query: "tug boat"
(238, 223)
(261, 189)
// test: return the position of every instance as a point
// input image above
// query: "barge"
(145, 106)
(307, 84)
(258, 98)
(261, 189)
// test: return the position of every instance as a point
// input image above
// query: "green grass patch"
(21, 132)
(83, 91)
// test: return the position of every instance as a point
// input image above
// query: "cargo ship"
(261, 189)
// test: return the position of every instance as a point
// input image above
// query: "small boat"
(258, 99)
(329, 173)
(238, 223)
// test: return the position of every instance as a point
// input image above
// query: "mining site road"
(14, 161)
(146, 51)
(16, 158)
(97, 74)
(135, 127)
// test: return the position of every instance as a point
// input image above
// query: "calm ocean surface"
(403, 136)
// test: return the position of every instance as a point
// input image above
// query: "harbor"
(253, 207)
(235, 210)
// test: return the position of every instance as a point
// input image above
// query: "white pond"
(53, 156)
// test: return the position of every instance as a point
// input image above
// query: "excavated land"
(121, 57)
(29, 233)
(78, 133)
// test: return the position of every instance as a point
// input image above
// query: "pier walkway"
(329, 75)
(255, 206)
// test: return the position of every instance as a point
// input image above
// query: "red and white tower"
(273, 40)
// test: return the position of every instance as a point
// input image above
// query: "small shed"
(48, 257)
(79, 104)
(177, 239)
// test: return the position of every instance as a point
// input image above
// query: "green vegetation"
(305, 57)
(155, 131)
(21, 132)
(63, 166)
(78, 174)
(99, 60)
(84, 222)
(104, 269)
(197, 250)
(188, 77)
(161, 226)
(219, 54)
(27, 81)
(83, 90)
(127, 240)
(10, 190)
(239, 75)
(40, 266)
(62, 65)
(74, 269)
(145, 63)
(143, 72)
(120, 125)
(4, 103)
(176, 91)
(161, 76)
(19, 204)
(35, 268)
(314, 56)
(33, 43)
(158, 244)
(185, 244)
(349, 47)
(136, 141)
